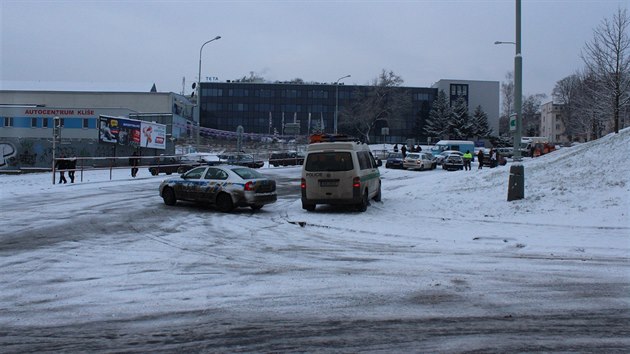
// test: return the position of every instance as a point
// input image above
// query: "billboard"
(153, 135)
(130, 132)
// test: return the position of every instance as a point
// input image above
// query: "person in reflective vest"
(467, 160)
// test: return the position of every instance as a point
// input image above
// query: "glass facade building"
(268, 108)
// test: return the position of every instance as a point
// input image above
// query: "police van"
(339, 171)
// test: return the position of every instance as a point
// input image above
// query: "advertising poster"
(131, 132)
(119, 131)
(153, 135)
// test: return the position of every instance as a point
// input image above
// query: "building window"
(45, 123)
(318, 94)
(8, 121)
(264, 93)
(238, 93)
(459, 90)
(421, 97)
(212, 92)
(290, 93)
(85, 123)
(33, 122)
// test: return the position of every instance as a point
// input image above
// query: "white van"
(339, 173)
(457, 145)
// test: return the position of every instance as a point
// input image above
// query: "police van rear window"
(329, 161)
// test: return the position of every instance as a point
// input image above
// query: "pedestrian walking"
(493, 158)
(403, 150)
(72, 165)
(480, 159)
(61, 166)
(395, 147)
(133, 162)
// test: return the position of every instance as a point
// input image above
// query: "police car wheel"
(169, 196)
(224, 203)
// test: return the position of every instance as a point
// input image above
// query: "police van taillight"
(356, 182)
(303, 183)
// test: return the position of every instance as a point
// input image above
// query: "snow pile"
(585, 185)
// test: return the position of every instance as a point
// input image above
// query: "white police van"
(339, 171)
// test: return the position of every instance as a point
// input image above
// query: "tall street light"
(516, 183)
(199, 91)
(337, 101)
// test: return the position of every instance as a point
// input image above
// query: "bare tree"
(507, 102)
(607, 57)
(383, 100)
(531, 114)
(566, 92)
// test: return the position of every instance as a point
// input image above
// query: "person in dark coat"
(133, 162)
(480, 159)
(403, 149)
(72, 165)
(61, 166)
(396, 148)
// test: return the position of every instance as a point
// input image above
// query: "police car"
(226, 187)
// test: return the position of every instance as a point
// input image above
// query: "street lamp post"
(516, 183)
(199, 91)
(337, 101)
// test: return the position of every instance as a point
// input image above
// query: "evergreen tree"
(438, 123)
(460, 125)
(480, 123)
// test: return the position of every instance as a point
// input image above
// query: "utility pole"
(516, 182)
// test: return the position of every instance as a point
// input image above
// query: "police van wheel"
(364, 202)
(377, 197)
(309, 207)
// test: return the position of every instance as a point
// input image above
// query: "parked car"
(394, 160)
(419, 161)
(441, 156)
(506, 151)
(224, 186)
(290, 158)
(168, 165)
(241, 159)
(453, 162)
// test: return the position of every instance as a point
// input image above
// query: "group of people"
(66, 164)
(403, 149)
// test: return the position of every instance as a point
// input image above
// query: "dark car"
(240, 159)
(453, 162)
(224, 186)
(291, 158)
(394, 160)
(170, 165)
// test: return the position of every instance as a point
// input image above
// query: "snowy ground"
(443, 264)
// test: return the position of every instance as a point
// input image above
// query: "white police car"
(226, 187)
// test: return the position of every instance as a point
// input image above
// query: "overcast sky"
(132, 43)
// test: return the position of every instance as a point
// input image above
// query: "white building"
(26, 122)
(551, 125)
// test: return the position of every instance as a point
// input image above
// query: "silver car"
(419, 161)
(226, 187)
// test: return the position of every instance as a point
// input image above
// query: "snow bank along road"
(106, 266)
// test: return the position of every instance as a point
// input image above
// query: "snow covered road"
(106, 266)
